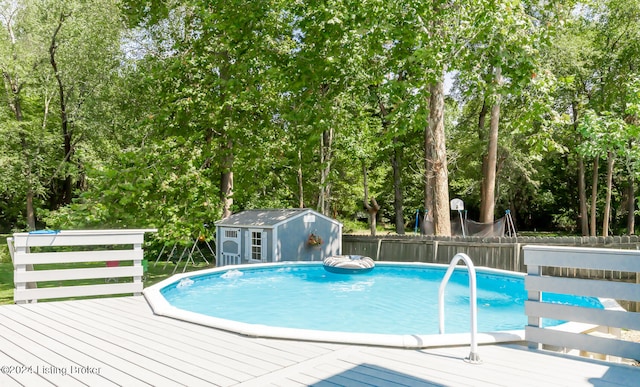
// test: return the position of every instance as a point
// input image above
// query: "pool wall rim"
(162, 307)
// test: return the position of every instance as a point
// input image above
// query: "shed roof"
(266, 218)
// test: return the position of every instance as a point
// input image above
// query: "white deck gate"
(537, 257)
(53, 247)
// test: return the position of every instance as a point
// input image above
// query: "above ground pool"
(395, 304)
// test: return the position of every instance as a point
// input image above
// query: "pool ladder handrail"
(473, 358)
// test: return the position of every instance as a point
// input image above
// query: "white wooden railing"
(51, 247)
(537, 257)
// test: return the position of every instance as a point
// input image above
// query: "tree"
(82, 61)
(605, 134)
(632, 151)
(219, 84)
(234, 105)
(490, 162)
(13, 66)
(42, 56)
(610, 59)
(506, 58)
(442, 38)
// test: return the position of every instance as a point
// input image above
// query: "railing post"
(534, 295)
(20, 268)
(138, 263)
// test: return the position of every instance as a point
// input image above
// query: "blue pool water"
(397, 300)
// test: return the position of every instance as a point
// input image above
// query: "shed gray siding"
(294, 234)
(286, 233)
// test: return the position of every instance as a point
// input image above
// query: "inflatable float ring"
(348, 264)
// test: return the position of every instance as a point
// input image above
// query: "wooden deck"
(118, 341)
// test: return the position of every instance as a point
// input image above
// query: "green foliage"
(83, 38)
(166, 96)
(162, 185)
(4, 249)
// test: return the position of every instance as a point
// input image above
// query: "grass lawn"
(6, 283)
(153, 275)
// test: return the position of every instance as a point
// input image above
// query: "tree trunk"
(373, 207)
(31, 213)
(398, 205)
(631, 206)
(300, 181)
(582, 193)
(441, 215)
(607, 203)
(324, 202)
(226, 177)
(428, 172)
(487, 205)
(396, 166)
(66, 133)
(631, 192)
(482, 117)
(594, 197)
(226, 170)
(31, 216)
(226, 148)
(582, 188)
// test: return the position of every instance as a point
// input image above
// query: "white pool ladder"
(473, 358)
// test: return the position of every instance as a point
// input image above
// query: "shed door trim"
(256, 245)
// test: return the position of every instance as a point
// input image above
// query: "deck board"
(265, 348)
(155, 355)
(30, 338)
(188, 350)
(40, 357)
(131, 346)
(79, 349)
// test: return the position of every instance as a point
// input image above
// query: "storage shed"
(256, 236)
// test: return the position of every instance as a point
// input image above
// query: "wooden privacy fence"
(537, 257)
(496, 252)
(30, 253)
